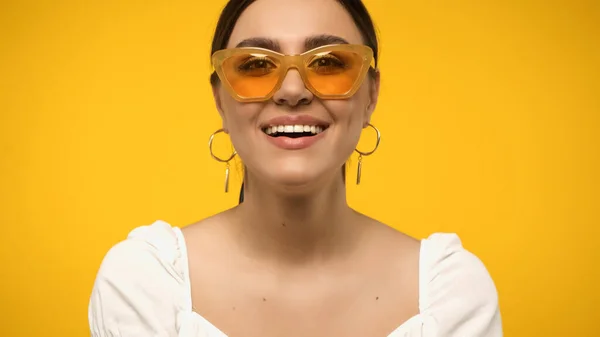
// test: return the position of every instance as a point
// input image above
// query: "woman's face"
(289, 24)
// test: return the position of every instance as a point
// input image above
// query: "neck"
(298, 226)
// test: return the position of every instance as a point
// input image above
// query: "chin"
(294, 177)
(298, 179)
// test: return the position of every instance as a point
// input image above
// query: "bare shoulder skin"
(367, 288)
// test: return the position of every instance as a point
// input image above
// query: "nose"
(293, 92)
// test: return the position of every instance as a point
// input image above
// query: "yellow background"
(489, 114)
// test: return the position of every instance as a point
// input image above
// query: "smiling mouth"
(294, 131)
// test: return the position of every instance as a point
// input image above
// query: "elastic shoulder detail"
(457, 290)
(162, 239)
(140, 286)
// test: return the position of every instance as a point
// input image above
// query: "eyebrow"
(310, 42)
(322, 40)
(260, 42)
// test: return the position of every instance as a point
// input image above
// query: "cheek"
(238, 116)
(349, 111)
(348, 121)
(240, 120)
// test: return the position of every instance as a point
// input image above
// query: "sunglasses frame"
(297, 62)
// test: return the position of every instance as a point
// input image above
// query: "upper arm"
(136, 293)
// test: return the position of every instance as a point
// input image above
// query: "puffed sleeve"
(139, 289)
(459, 296)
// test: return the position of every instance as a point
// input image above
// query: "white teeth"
(274, 129)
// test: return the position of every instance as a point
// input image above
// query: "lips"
(294, 126)
(294, 131)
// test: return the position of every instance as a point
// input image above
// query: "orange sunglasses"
(329, 72)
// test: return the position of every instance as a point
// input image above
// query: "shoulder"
(456, 289)
(146, 251)
(141, 284)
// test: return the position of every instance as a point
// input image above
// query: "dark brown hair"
(234, 9)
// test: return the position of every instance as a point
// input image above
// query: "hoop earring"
(361, 154)
(226, 161)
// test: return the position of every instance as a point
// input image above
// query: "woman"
(292, 259)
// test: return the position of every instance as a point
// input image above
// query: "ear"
(217, 97)
(373, 97)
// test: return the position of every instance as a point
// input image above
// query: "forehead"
(291, 22)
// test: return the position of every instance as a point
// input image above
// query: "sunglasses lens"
(334, 73)
(252, 75)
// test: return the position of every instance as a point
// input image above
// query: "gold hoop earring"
(361, 154)
(226, 161)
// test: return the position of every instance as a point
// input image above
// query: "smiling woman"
(295, 82)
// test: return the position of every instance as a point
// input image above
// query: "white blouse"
(143, 289)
